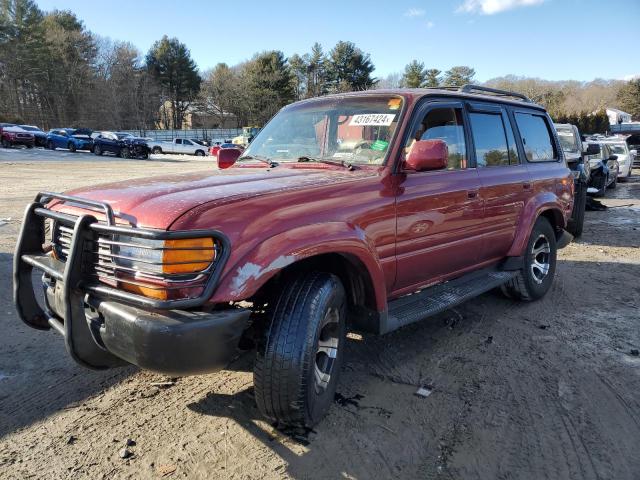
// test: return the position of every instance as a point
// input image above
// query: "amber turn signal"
(188, 255)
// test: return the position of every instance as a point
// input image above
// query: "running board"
(430, 301)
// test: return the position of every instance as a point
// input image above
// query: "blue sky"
(551, 39)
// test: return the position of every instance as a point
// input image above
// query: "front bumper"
(102, 330)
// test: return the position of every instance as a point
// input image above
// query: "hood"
(157, 202)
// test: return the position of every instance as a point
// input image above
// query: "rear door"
(439, 213)
(505, 185)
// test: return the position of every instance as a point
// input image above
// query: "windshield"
(29, 129)
(357, 130)
(618, 149)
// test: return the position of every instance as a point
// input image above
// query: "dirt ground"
(546, 390)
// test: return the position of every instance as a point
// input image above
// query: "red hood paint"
(156, 202)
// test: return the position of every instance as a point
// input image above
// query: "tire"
(199, 153)
(613, 184)
(72, 147)
(527, 285)
(29, 146)
(97, 150)
(5, 144)
(295, 377)
(144, 156)
(125, 153)
(576, 223)
(50, 145)
(156, 150)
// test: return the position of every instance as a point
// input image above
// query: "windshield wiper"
(340, 163)
(266, 160)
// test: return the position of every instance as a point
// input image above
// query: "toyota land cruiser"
(368, 210)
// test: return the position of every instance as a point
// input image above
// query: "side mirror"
(613, 157)
(427, 155)
(593, 149)
(227, 157)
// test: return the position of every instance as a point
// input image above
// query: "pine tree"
(170, 63)
(458, 76)
(349, 68)
(414, 75)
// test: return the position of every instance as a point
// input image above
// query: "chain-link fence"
(214, 134)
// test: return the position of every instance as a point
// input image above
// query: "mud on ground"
(542, 390)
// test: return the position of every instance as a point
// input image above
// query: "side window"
(536, 138)
(187, 142)
(444, 124)
(490, 139)
(178, 141)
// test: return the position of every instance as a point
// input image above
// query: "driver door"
(440, 212)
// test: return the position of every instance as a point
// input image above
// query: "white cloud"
(415, 12)
(429, 24)
(633, 76)
(491, 7)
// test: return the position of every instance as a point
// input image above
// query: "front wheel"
(124, 153)
(535, 278)
(613, 184)
(50, 145)
(156, 150)
(72, 147)
(199, 153)
(298, 362)
(97, 150)
(5, 143)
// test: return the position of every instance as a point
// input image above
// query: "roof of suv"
(470, 92)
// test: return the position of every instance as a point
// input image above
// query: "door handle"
(526, 186)
(472, 193)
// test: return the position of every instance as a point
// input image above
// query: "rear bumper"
(102, 331)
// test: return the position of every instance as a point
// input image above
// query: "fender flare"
(544, 202)
(244, 277)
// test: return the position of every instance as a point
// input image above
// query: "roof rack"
(494, 91)
(469, 88)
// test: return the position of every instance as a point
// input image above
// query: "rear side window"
(536, 138)
(490, 139)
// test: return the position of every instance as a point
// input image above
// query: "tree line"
(54, 72)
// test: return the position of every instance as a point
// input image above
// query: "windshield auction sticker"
(372, 120)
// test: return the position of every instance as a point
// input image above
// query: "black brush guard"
(102, 325)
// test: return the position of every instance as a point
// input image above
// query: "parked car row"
(597, 163)
(122, 144)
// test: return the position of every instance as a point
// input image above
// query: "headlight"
(189, 255)
(157, 268)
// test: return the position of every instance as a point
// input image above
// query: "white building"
(618, 116)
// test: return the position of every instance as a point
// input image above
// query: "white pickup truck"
(178, 145)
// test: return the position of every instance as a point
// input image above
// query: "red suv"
(367, 211)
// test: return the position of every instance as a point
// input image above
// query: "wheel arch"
(546, 206)
(335, 248)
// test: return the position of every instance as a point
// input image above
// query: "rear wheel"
(199, 153)
(576, 223)
(156, 150)
(97, 150)
(50, 145)
(124, 153)
(535, 278)
(298, 362)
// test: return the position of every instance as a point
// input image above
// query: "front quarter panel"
(246, 276)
